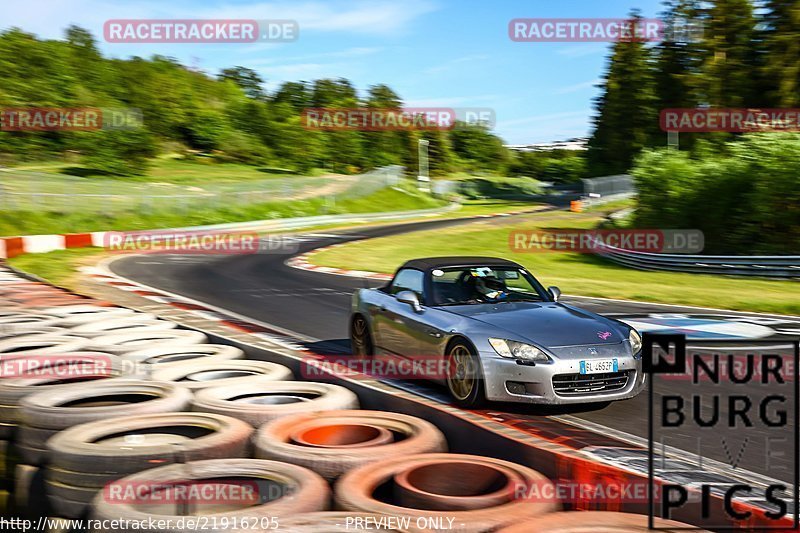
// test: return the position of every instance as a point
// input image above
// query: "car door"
(396, 323)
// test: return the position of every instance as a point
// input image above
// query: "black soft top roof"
(427, 263)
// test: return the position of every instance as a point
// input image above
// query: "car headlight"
(636, 341)
(519, 350)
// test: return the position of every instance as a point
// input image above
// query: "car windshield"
(477, 285)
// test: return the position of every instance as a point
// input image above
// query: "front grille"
(580, 384)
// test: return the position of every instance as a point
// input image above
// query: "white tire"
(164, 357)
(131, 342)
(258, 403)
(87, 402)
(195, 376)
(122, 325)
(23, 323)
(87, 366)
(41, 345)
(75, 315)
(8, 333)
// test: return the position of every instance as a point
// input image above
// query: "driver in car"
(488, 286)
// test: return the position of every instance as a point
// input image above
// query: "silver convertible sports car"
(500, 335)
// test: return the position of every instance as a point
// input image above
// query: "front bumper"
(561, 382)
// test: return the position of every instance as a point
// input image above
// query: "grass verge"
(400, 198)
(59, 267)
(579, 274)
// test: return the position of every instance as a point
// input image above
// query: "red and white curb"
(37, 244)
(301, 262)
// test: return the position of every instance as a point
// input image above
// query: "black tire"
(83, 448)
(360, 337)
(33, 437)
(464, 375)
(31, 456)
(57, 410)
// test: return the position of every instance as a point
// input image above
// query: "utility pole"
(423, 178)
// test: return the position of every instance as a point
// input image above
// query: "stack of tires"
(86, 457)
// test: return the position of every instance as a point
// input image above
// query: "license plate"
(599, 366)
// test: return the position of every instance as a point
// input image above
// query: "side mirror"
(555, 292)
(410, 298)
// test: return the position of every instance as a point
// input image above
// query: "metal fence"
(42, 192)
(619, 184)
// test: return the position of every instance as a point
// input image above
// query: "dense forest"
(745, 54)
(741, 190)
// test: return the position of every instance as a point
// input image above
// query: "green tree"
(727, 75)
(246, 79)
(476, 146)
(782, 57)
(626, 118)
(381, 148)
(124, 152)
(295, 94)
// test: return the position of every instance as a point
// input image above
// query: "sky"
(437, 53)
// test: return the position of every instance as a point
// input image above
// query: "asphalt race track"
(312, 308)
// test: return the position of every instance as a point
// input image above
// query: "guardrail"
(770, 266)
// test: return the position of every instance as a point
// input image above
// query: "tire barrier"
(283, 490)
(25, 323)
(464, 487)
(122, 325)
(75, 315)
(258, 403)
(333, 442)
(41, 345)
(8, 333)
(24, 493)
(596, 522)
(12, 390)
(44, 414)
(196, 376)
(180, 355)
(123, 343)
(82, 459)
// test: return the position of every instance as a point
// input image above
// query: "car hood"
(548, 324)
